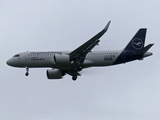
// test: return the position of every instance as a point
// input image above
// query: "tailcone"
(147, 54)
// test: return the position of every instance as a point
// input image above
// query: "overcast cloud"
(123, 92)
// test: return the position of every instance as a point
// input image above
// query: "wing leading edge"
(80, 53)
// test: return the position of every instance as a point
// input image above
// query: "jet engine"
(61, 59)
(54, 74)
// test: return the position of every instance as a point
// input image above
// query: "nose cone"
(10, 62)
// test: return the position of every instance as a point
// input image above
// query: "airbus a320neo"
(71, 63)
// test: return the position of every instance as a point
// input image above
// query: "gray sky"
(129, 91)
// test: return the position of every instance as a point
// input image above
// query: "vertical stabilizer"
(137, 42)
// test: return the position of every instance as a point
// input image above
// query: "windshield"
(17, 55)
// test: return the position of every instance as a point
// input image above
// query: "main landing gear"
(74, 77)
(27, 71)
(79, 67)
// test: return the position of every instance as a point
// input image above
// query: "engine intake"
(54, 74)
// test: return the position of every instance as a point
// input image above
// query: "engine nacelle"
(61, 59)
(54, 74)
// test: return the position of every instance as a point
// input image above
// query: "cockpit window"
(17, 55)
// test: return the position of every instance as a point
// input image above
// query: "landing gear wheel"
(26, 73)
(80, 67)
(74, 77)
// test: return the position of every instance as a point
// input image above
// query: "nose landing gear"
(27, 71)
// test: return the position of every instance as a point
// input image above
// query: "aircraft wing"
(81, 51)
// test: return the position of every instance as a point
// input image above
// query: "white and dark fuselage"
(47, 59)
(83, 57)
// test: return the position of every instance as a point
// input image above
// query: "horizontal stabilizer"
(144, 50)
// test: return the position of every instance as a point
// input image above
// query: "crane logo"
(137, 43)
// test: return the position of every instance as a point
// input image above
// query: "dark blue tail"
(137, 42)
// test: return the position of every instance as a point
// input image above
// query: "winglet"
(107, 26)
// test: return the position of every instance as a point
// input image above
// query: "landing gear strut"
(27, 73)
(74, 77)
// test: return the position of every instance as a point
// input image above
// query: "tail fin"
(137, 42)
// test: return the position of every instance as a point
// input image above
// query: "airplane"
(71, 63)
